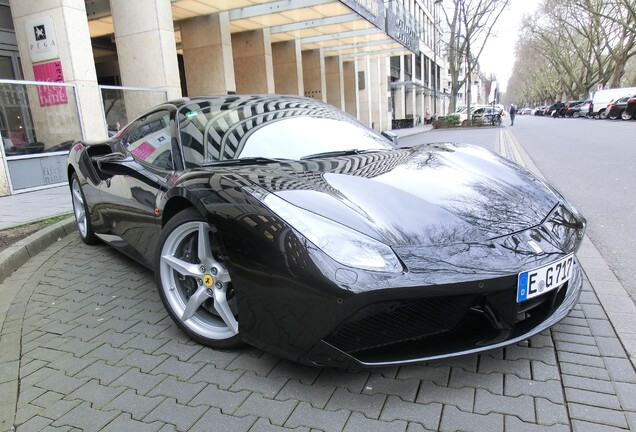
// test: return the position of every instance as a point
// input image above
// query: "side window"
(150, 140)
(210, 135)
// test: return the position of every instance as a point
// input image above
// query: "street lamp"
(435, 56)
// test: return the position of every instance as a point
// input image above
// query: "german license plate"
(543, 279)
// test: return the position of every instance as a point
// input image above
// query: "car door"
(135, 178)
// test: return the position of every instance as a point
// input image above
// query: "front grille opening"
(386, 323)
(415, 328)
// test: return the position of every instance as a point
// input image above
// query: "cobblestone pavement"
(86, 345)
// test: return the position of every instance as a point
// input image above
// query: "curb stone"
(17, 254)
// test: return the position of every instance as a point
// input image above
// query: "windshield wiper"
(247, 161)
(340, 153)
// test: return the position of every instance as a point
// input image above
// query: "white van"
(602, 98)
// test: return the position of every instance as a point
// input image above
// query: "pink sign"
(143, 151)
(50, 72)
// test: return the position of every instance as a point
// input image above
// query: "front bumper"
(420, 329)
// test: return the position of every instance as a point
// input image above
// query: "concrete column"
(377, 92)
(207, 55)
(384, 71)
(419, 92)
(288, 67)
(314, 74)
(411, 106)
(350, 75)
(78, 66)
(253, 66)
(419, 105)
(410, 103)
(364, 91)
(399, 94)
(146, 51)
(335, 81)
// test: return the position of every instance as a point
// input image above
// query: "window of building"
(6, 22)
(395, 68)
(408, 67)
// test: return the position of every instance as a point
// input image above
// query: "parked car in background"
(526, 111)
(553, 110)
(569, 104)
(616, 108)
(585, 108)
(538, 111)
(463, 115)
(602, 98)
(630, 110)
(488, 115)
(575, 110)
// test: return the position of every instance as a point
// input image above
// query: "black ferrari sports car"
(287, 224)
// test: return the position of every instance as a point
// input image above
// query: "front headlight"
(347, 246)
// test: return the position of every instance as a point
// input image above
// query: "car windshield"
(257, 129)
(298, 137)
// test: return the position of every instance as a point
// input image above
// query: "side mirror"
(391, 136)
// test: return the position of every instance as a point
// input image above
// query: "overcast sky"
(498, 56)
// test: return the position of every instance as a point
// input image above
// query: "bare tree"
(618, 18)
(536, 80)
(470, 23)
(579, 44)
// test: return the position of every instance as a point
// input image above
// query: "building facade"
(416, 78)
(84, 68)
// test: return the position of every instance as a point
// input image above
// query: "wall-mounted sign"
(398, 29)
(50, 72)
(37, 171)
(41, 38)
(371, 10)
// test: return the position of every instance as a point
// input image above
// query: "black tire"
(602, 114)
(202, 304)
(80, 210)
(576, 114)
(626, 116)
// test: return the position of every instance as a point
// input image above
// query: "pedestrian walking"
(513, 112)
(428, 117)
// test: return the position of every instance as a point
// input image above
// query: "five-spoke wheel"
(80, 209)
(194, 285)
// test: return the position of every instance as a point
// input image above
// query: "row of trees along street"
(469, 23)
(569, 47)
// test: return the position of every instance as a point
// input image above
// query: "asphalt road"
(591, 162)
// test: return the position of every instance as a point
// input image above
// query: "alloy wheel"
(196, 285)
(79, 209)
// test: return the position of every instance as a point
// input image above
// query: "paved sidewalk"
(87, 345)
(33, 206)
(412, 131)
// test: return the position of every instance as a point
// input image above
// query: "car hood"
(434, 194)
